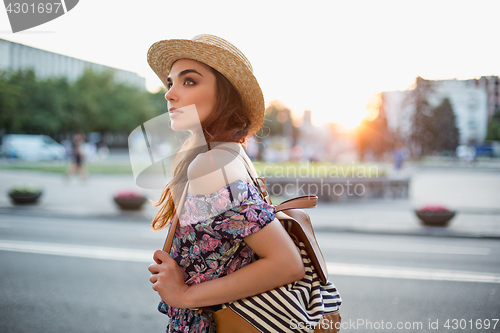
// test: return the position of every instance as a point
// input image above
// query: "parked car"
(32, 147)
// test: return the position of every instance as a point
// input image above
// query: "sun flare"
(349, 114)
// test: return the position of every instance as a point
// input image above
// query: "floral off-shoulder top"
(209, 241)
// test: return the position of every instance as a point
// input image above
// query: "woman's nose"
(170, 95)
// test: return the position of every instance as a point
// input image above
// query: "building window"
(472, 103)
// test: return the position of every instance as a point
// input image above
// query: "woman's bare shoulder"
(213, 170)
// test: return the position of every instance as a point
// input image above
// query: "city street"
(391, 148)
(90, 275)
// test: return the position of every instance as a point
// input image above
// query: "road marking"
(411, 273)
(121, 254)
(78, 251)
(409, 248)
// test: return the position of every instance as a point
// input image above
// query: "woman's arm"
(280, 263)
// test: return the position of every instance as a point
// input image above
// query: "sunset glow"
(332, 63)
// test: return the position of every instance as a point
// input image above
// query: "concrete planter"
(435, 219)
(20, 198)
(134, 203)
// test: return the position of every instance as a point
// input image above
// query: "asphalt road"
(77, 275)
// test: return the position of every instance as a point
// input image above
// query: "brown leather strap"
(175, 221)
(301, 226)
(329, 323)
(305, 201)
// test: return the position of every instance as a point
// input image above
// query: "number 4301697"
(462, 324)
(32, 8)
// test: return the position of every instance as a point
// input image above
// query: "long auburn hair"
(226, 123)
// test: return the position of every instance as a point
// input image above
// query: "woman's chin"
(175, 128)
(178, 126)
(181, 127)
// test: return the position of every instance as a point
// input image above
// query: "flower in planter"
(434, 209)
(25, 189)
(435, 215)
(128, 195)
(129, 200)
(25, 193)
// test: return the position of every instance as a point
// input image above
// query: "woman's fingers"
(153, 268)
(160, 256)
(168, 279)
(164, 265)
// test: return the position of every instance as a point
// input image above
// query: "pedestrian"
(213, 94)
(77, 157)
(398, 157)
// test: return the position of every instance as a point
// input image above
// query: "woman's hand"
(168, 280)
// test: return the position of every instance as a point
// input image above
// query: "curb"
(134, 217)
(130, 217)
(424, 231)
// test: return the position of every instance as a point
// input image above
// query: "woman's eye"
(169, 85)
(189, 82)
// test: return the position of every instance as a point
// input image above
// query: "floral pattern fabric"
(209, 242)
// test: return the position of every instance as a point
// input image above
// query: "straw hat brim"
(163, 54)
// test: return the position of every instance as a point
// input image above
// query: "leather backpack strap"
(175, 221)
(297, 222)
(305, 201)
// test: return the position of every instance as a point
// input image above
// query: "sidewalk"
(398, 217)
(475, 195)
(75, 199)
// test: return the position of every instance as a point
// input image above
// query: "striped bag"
(296, 307)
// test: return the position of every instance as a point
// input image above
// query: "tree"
(423, 131)
(493, 132)
(158, 101)
(10, 95)
(446, 135)
(31, 105)
(279, 120)
(373, 134)
(93, 103)
(433, 129)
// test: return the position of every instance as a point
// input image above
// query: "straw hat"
(221, 56)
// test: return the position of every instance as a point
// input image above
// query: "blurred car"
(32, 147)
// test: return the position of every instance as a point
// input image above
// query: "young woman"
(213, 94)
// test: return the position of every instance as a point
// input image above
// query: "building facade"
(472, 104)
(45, 64)
(491, 84)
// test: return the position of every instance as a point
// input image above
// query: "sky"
(329, 57)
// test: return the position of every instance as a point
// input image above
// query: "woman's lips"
(173, 112)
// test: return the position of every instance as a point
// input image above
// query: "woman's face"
(191, 95)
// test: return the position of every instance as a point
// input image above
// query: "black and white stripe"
(304, 301)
